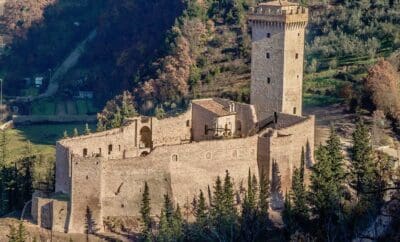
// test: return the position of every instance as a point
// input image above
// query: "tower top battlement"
(279, 11)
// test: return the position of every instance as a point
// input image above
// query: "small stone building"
(104, 172)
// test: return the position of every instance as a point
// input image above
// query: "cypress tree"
(288, 216)
(263, 200)
(201, 210)
(164, 231)
(65, 134)
(145, 209)
(363, 167)
(298, 193)
(326, 189)
(87, 129)
(228, 195)
(21, 232)
(76, 133)
(217, 201)
(335, 156)
(250, 225)
(177, 224)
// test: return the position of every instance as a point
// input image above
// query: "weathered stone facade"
(104, 172)
(278, 30)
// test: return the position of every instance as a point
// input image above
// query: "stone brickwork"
(103, 174)
(278, 30)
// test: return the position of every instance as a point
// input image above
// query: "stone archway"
(145, 137)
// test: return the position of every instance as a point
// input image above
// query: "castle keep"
(105, 171)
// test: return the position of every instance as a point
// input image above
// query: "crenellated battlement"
(279, 12)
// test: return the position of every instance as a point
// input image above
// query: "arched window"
(145, 137)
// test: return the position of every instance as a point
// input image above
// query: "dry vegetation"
(383, 87)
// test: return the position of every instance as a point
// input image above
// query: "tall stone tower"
(278, 30)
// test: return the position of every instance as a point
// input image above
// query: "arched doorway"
(145, 137)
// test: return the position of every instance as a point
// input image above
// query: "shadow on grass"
(49, 134)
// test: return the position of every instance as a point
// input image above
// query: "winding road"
(60, 72)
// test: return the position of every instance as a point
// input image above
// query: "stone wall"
(59, 216)
(86, 194)
(277, 59)
(267, 73)
(293, 68)
(201, 118)
(285, 147)
(124, 182)
(179, 170)
(172, 131)
(63, 172)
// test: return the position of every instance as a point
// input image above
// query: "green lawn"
(43, 107)
(42, 137)
(49, 107)
(312, 100)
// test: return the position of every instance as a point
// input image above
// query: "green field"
(50, 106)
(42, 137)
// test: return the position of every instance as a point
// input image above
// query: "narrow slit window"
(294, 110)
(85, 152)
(268, 80)
(206, 129)
(110, 148)
(297, 56)
(268, 55)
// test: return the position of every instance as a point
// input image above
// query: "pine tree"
(326, 188)
(76, 133)
(65, 134)
(335, 157)
(229, 196)
(263, 200)
(363, 167)
(217, 201)
(288, 216)
(145, 209)
(250, 224)
(298, 193)
(177, 224)
(164, 231)
(87, 129)
(21, 232)
(201, 210)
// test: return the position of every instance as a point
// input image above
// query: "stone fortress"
(106, 171)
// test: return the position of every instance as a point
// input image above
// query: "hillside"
(167, 52)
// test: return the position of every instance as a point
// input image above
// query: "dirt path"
(59, 73)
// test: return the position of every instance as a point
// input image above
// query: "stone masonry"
(104, 172)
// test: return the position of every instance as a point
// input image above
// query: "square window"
(268, 35)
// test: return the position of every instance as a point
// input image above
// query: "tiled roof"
(213, 106)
